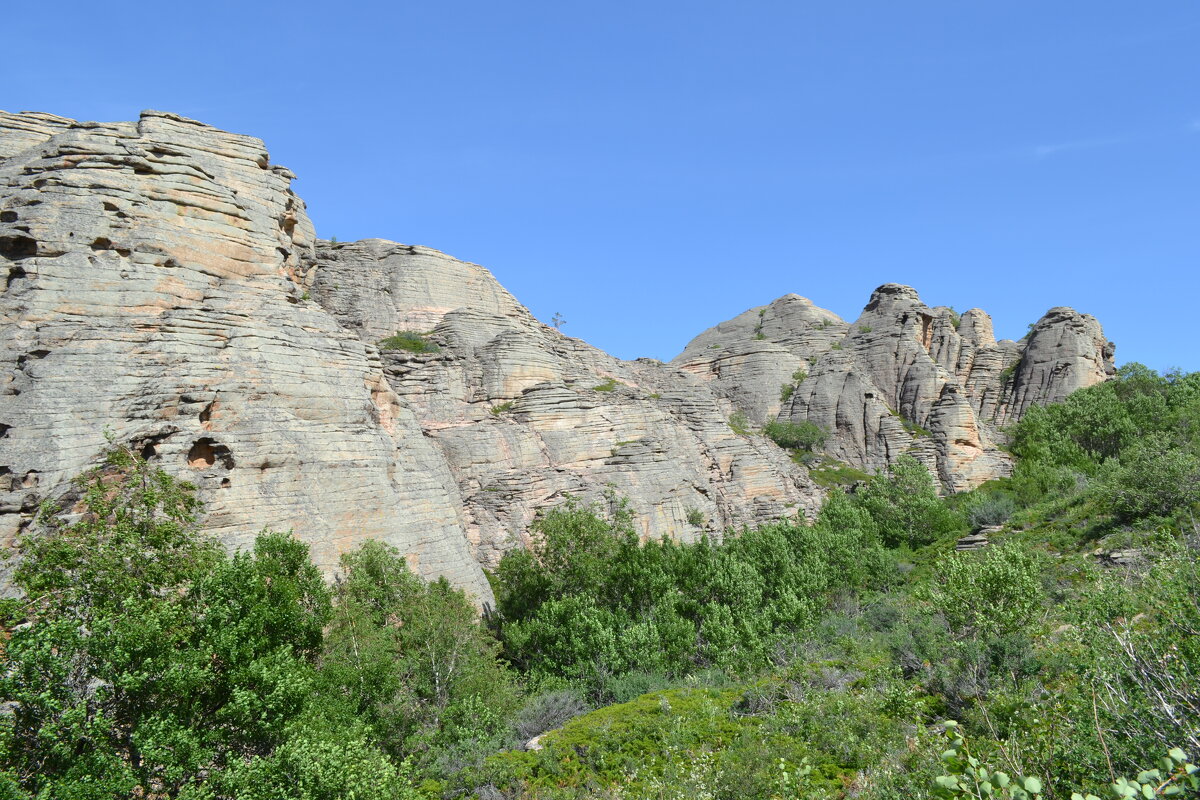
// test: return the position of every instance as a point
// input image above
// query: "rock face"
(903, 378)
(153, 278)
(162, 286)
(526, 416)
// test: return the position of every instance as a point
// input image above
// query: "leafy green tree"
(1154, 478)
(412, 659)
(144, 662)
(905, 506)
(990, 593)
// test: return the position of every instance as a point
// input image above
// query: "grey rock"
(903, 378)
(526, 416)
(154, 277)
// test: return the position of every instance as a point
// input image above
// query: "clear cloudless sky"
(649, 169)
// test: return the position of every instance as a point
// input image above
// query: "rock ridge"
(162, 286)
(903, 378)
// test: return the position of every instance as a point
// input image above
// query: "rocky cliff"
(526, 416)
(154, 279)
(903, 378)
(162, 287)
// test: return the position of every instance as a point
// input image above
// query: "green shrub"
(502, 408)
(590, 601)
(739, 423)
(608, 386)
(412, 341)
(548, 711)
(804, 435)
(905, 505)
(412, 659)
(785, 392)
(146, 657)
(969, 778)
(1154, 478)
(830, 473)
(990, 593)
(695, 518)
(990, 509)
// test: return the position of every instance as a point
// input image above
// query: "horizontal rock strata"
(154, 289)
(161, 287)
(527, 416)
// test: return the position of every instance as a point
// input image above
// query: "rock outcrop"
(903, 378)
(154, 277)
(526, 416)
(162, 286)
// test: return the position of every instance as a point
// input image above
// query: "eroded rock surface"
(161, 284)
(903, 378)
(526, 416)
(154, 277)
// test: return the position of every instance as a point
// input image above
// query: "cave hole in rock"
(206, 414)
(32, 355)
(30, 481)
(4, 429)
(102, 243)
(16, 247)
(8, 216)
(207, 452)
(147, 446)
(15, 274)
(226, 483)
(5, 479)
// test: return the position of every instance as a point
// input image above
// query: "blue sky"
(649, 169)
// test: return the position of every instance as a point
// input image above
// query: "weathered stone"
(156, 279)
(527, 416)
(903, 378)
(155, 274)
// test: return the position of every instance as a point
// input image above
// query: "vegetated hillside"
(162, 284)
(820, 660)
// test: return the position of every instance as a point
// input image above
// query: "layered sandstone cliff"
(161, 286)
(154, 280)
(526, 416)
(903, 378)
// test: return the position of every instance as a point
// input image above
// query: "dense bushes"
(809, 660)
(144, 661)
(796, 435)
(906, 507)
(1133, 443)
(410, 341)
(591, 602)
